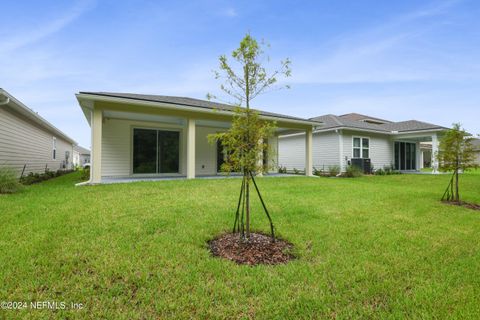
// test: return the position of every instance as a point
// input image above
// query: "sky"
(398, 60)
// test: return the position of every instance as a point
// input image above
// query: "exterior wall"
(23, 142)
(478, 157)
(381, 147)
(117, 147)
(325, 151)
(205, 152)
(291, 151)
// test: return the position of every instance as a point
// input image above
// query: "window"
(54, 148)
(405, 156)
(361, 148)
(156, 151)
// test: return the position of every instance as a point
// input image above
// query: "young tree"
(246, 141)
(456, 154)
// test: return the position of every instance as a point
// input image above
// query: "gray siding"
(23, 142)
(381, 147)
(325, 151)
(291, 152)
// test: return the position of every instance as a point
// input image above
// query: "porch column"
(421, 159)
(190, 148)
(260, 161)
(308, 153)
(434, 153)
(96, 165)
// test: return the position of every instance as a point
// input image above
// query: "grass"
(370, 247)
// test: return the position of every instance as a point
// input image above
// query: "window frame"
(54, 148)
(361, 148)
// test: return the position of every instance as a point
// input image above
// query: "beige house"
(138, 136)
(81, 156)
(29, 143)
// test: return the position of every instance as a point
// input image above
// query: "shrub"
(280, 169)
(333, 170)
(8, 181)
(32, 178)
(86, 173)
(352, 172)
(380, 172)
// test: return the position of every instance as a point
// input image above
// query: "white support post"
(308, 153)
(418, 157)
(434, 153)
(190, 148)
(341, 159)
(96, 166)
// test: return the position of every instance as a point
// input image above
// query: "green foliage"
(282, 169)
(9, 181)
(352, 172)
(456, 150)
(333, 170)
(85, 174)
(456, 154)
(32, 178)
(245, 142)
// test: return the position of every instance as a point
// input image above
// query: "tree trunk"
(457, 196)
(247, 209)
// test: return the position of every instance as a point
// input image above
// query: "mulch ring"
(259, 250)
(468, 205)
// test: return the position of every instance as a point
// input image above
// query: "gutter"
(173, 106)
(7, 101)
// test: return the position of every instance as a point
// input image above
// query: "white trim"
(361, 147)
(81, 97)
(340, 150)
(388, 133)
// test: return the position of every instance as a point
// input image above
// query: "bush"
(280, 169)
(86, 173)
(380, 172)
(32, 178)
(333, 170)
(352, 172)
(8, 181)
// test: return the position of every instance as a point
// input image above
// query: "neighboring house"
(81, 156)
(476, 146)
(29, 143)
(138, 136)
(356, 138)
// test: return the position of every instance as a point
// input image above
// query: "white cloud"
(16, 41)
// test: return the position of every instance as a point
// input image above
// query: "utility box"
(365, 165)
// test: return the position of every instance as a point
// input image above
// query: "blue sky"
(398, 60)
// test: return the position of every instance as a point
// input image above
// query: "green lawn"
(371, 247)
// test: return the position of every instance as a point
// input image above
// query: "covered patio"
(144, 137)
(409, 150)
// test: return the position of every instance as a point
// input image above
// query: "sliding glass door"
(156, 151)
(405, 156)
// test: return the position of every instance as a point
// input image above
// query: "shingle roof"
(81, 150)
(332, 121)
(184, 101)
(359, 117)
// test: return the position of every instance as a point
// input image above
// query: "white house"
(357, 138)
(29, 143)
(145, 136)
(81, 156)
